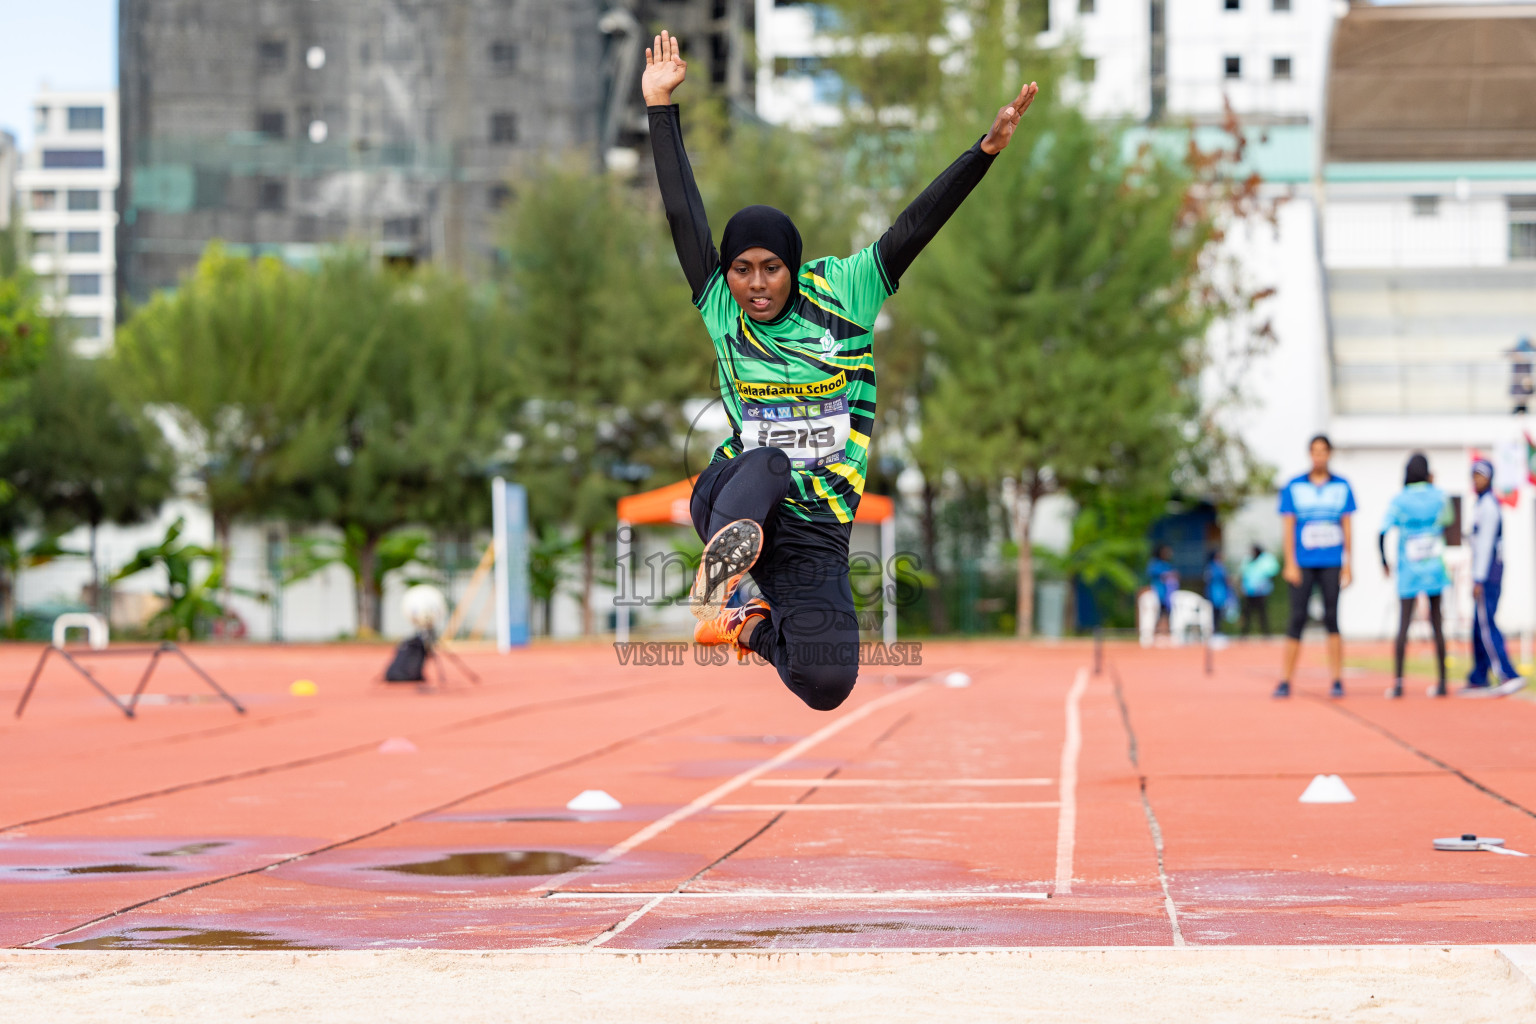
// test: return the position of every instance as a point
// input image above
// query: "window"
(87, 119)
(40, 119)
(1522, 227)
(84, 241)
(401, 229)
(1084, 6)
(1232, 5)
(1426, 206)
(498, 196)
(84, 199)
(503, 57)
(272, 54)
(74, 159)
(504, 128)
(82, 326)
(272, 195)
(45, 241)
(85, 284)
(272, 123)
(1280, 67)
(1234, 66)
(1281, 6)
(1088, 68)
(45, 199)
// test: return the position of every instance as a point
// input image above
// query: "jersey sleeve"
(858, 283)
(717, 305)
(1349, 500)
(1287, 506)
(1447, 514)
(1390, 519)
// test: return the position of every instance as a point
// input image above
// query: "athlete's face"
(1320, 455)
(760, 282)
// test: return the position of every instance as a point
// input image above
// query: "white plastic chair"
(1148, 610)
(1188, 610)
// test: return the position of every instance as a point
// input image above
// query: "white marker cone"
(397, 745)
(1327, 789)
(593, 800)
(957, 680)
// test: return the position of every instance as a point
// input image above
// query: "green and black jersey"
(804, 382)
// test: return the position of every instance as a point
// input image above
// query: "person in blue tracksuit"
(1420, 512)
(1487, 582)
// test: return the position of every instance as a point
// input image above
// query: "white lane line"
(725, 789)
(1066, 821)
(825, 783)
(893, 806)
(900, 894)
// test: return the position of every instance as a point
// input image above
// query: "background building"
(1429, 252)
(283, 125)
(68, 189)
(8, 160)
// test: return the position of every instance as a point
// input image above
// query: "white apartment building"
(7, 177)
(68, 190)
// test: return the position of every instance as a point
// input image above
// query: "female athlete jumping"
(798, 379)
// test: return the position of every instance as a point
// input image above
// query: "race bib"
(812, 434)
(1422, 548)
(1322, 535)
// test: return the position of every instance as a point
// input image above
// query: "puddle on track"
(763, 938)
(164, 937)
(187, 850)
(493, 864)
(87, 869)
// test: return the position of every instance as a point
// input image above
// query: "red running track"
(918, 815)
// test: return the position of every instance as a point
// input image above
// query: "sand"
(1455, 985)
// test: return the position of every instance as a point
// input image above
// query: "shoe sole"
(730, 552)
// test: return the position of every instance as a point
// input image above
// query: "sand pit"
(1465, 985)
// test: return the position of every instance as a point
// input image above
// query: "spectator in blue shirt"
(1164, 580)
(1315, 511)
(1218, 588)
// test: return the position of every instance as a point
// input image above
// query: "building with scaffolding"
(285, 125)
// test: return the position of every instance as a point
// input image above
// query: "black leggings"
(1326, 579)
(1256, 606)
(1405, 619)
(811, 634)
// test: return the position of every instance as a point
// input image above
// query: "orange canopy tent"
(669, 505)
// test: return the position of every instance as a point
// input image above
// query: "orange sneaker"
(727, 557)
(726, 627)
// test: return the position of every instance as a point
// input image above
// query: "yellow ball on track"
(303, 688)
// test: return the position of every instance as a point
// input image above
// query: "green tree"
(191, 604)
(1064, 301)
(253, 367)
(416, 441)
(88, 459)
(608, 349)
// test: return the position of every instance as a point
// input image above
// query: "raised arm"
(664, 71)
(923, 217)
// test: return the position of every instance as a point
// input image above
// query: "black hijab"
(1417, 471)
(768, 228)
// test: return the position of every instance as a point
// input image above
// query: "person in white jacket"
(1487, 582)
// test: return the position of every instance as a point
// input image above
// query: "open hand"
(1008, 120)
(1292, 574)
(665, 70)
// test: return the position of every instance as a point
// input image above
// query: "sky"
(70, 44)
